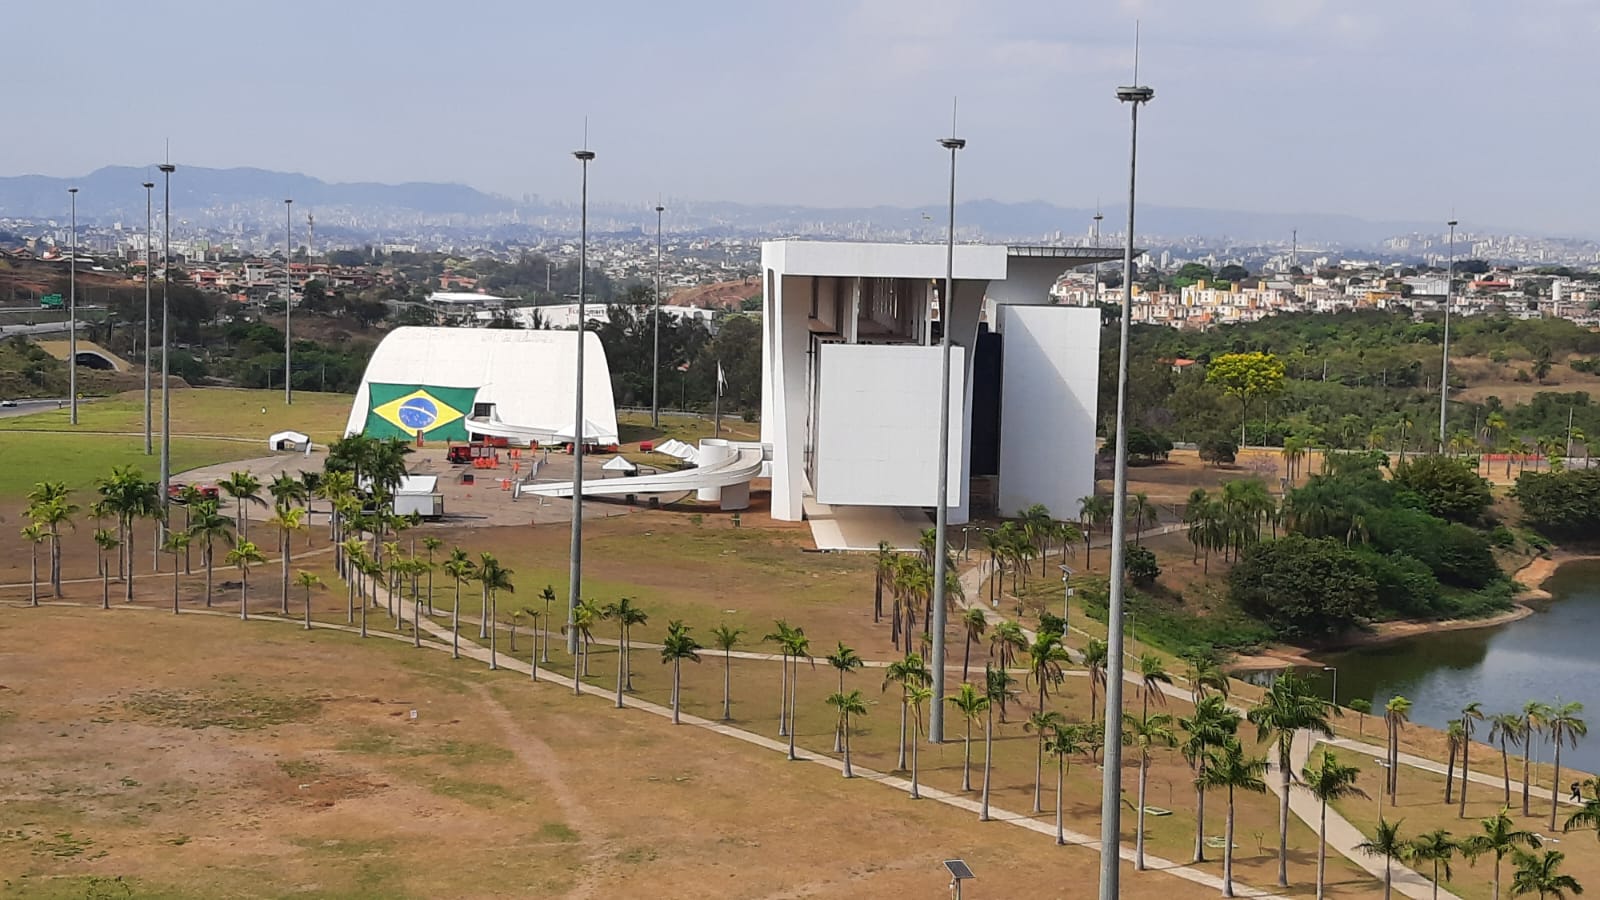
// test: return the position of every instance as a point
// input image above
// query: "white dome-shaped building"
(452, 383)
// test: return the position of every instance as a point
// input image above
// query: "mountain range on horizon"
(113, 193)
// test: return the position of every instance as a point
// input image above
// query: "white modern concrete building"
(851, 361)
(442, 384)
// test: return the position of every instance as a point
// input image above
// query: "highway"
(24, 407)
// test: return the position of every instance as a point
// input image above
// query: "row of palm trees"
(1498, 836)
(1231, 520)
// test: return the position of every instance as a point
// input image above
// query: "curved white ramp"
(738, 468)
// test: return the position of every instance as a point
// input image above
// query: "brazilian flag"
(407, 410)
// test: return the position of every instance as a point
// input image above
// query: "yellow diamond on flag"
(418, 412)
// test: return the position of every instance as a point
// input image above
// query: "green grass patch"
(556, 831)
(477, 793)
(230, 412)
(241, 710)
(299, 768)
(81, 459)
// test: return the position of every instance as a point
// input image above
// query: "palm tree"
(915, 697)
(1539, 875)
(726, 637)
(48, 506)
(1472, 712)
(1387, 843)
(1287, 707)
(34, 535)
(678, 646)
(189, 496)
(1046, 658)
(1329, 780)
(1204, 672)
(842, 659)
(460, 568)
(1565, 728)
(176, 543)
(584, 617)
(1435, 847)
(104, 540)
(972, 704)
(1536, 718)
(1041, 723)
(976, 624)
(244, 555)
(307, 581)
(781, 630)
(244, 488)
(431, 544)
(908, 672)
(497, 578)
(1152, 672)
(1229, 768)
(848, 705)
(548, 595)
(627, 616)
(1507, 730)
(287, 491)
(287, 520)
(1095, 654)
(1395, 715)
(1454, 733)
(1143, 734)
(208, 525)
(883, 568)
(1063, 743)
(796, 647)
(1499, 836)
(997, 685)
(1093, 511)
(1213, 724)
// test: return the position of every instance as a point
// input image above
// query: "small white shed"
(289, 440)
(419, 494)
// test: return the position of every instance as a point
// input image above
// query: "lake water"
(1550, 655)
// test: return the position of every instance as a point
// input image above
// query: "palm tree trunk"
(416, 617)
(622, 659)
(1038, 765)
(105, 580)
(33, 576)
(1388, 861)
(915, 794)
(1527, 753)
(1555, 783)
(793, 677)
(1061, 778)
(847, 772)
(677, 687)
(1466, 745)
(783, 696)
(1227, 850)
(244, 592)
(1199, 806)
(208, 562)
(1283, 811)
(966, 759)
(1505, 768)
(1322, 848)
(1138, 838)
(174, 585)
(494, 630)
(350, 602)
(1450, 776)
(727, 684)
(988, 758)
(483, 615)
(127, 594)
(966, 657)
(363, 608)
(308, 608)
(455, 625)
(900, 759)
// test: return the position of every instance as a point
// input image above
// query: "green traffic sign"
(49, 300)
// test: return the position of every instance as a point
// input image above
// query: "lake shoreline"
(1532, 577)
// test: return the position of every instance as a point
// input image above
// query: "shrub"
(1449, 488)
(1218, 450)
(1140, 564)
(1303, 588)
(1560, 502)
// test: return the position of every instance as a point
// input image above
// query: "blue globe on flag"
(418, 413)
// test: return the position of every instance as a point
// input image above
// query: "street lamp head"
(287, 202)
(660, 209)
(149, 184)
(583, 155)
(1135, 94)
(952, 143)
(1451, 223)
(168, 168)
(72, 190)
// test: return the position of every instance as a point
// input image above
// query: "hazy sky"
(1387, 109)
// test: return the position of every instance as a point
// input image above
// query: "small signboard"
(50, 301)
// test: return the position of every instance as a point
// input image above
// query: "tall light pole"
(655, 359)
(149, 262)
(167, 169)
(941, 512)
(1111, 782)
(1095, 269)
(72, 310)
(584, 157)
(288, 301)
(1444, 372)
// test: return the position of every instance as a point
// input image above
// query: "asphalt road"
(24, 407)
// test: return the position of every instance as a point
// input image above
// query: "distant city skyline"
(1379, 110)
